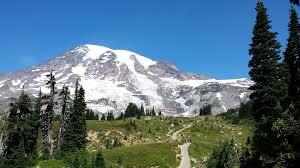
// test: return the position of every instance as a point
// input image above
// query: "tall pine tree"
(292, 62)
(47, 117)
(291, 55)
(65, 114)
(14, 152)
(75, 133)
(265, 92)
(31, 126)
(23, 124)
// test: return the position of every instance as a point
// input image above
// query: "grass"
(150, 145)
(142, 155)
(154, 130)
(207, 132)
(51, 164)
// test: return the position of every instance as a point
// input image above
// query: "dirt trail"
(175, 134)
(185, 158)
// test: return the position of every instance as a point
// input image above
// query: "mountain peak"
(113, 78)
(93, 52)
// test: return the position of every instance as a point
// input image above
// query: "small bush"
(78, 159)
(223, 156)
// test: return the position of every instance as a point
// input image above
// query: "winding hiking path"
(174, 137)
(185, 158)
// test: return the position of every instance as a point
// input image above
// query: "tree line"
(30, 117)
(131, 111)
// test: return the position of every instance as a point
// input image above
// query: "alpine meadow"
(92, 106)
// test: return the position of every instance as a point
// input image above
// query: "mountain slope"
(113, 78)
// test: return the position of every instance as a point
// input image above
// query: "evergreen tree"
(99, 160)
(205, 110)
(131, 111)
(90, 115)
(297, 2)
(28, 122)
(245, 110)
(148, 112)
(23, 124)
(292, 63)
(141, 112)
(110, 116)
(14, 152)
(266, 92)
(75, 133)
(15, 156)
(31, 125)
(223, 156)
(121, 116)
(153, 113)
(291, 54)
(65, 98)
(103, 118)
(47, 117)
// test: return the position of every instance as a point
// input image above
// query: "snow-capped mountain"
(113, 78)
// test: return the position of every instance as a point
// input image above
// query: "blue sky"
(199, 36)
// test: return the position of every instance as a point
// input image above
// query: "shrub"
(223, 156)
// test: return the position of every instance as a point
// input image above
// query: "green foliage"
(116, 143)
(90, 115)
(275, 87)
(22, 132)
(142, 155)
(103, 118)
(78, 159)
(248, 159)
(152, 112)
(112, 143)
(99, 160)
(15, 156)
(1, 161)
(235, 116)
(110, 116)
(47, 117)
(56, 117)
(51, 164)
(245, 109)
(76, 133)
(292, 65)
(291, 75)
(65, 98)
(232, 115)
(205, 110)
(131, 125)
(133, 111)
(223, 156)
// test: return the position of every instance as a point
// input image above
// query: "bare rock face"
(114, 78)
